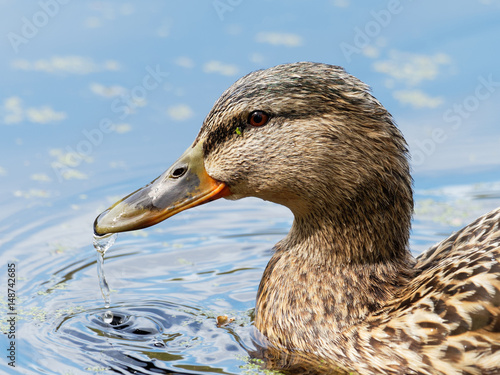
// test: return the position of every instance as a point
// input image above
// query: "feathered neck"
(338, 264)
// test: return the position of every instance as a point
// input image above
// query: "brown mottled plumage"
(342, 291)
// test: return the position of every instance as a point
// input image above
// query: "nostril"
(179, 172)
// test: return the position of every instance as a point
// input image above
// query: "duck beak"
(184, 185)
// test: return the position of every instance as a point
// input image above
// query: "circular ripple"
(125, 326)
(154, 337)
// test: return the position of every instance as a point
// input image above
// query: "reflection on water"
(148, 336)
(146, 72)
(169, 283)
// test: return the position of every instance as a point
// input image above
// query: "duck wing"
(447, 320)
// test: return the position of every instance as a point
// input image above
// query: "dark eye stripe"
(221, 132)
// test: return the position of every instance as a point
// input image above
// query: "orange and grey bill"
(184, 185)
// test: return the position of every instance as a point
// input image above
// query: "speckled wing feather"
(448, 319)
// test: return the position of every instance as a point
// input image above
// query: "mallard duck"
(342, 288)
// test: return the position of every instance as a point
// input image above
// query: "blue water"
(97, 98)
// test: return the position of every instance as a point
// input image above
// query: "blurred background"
(97, 98)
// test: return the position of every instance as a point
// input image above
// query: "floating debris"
(223, 320)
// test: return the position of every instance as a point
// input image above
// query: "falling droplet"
(107, 317)
(102, 244)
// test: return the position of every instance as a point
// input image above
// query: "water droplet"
(102, 244)
(158, 343)
(107, 317)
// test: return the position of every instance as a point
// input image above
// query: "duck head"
(305, 135)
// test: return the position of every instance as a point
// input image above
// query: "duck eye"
(258, 118)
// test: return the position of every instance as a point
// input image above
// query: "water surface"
(104, 95)
(168, 283)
